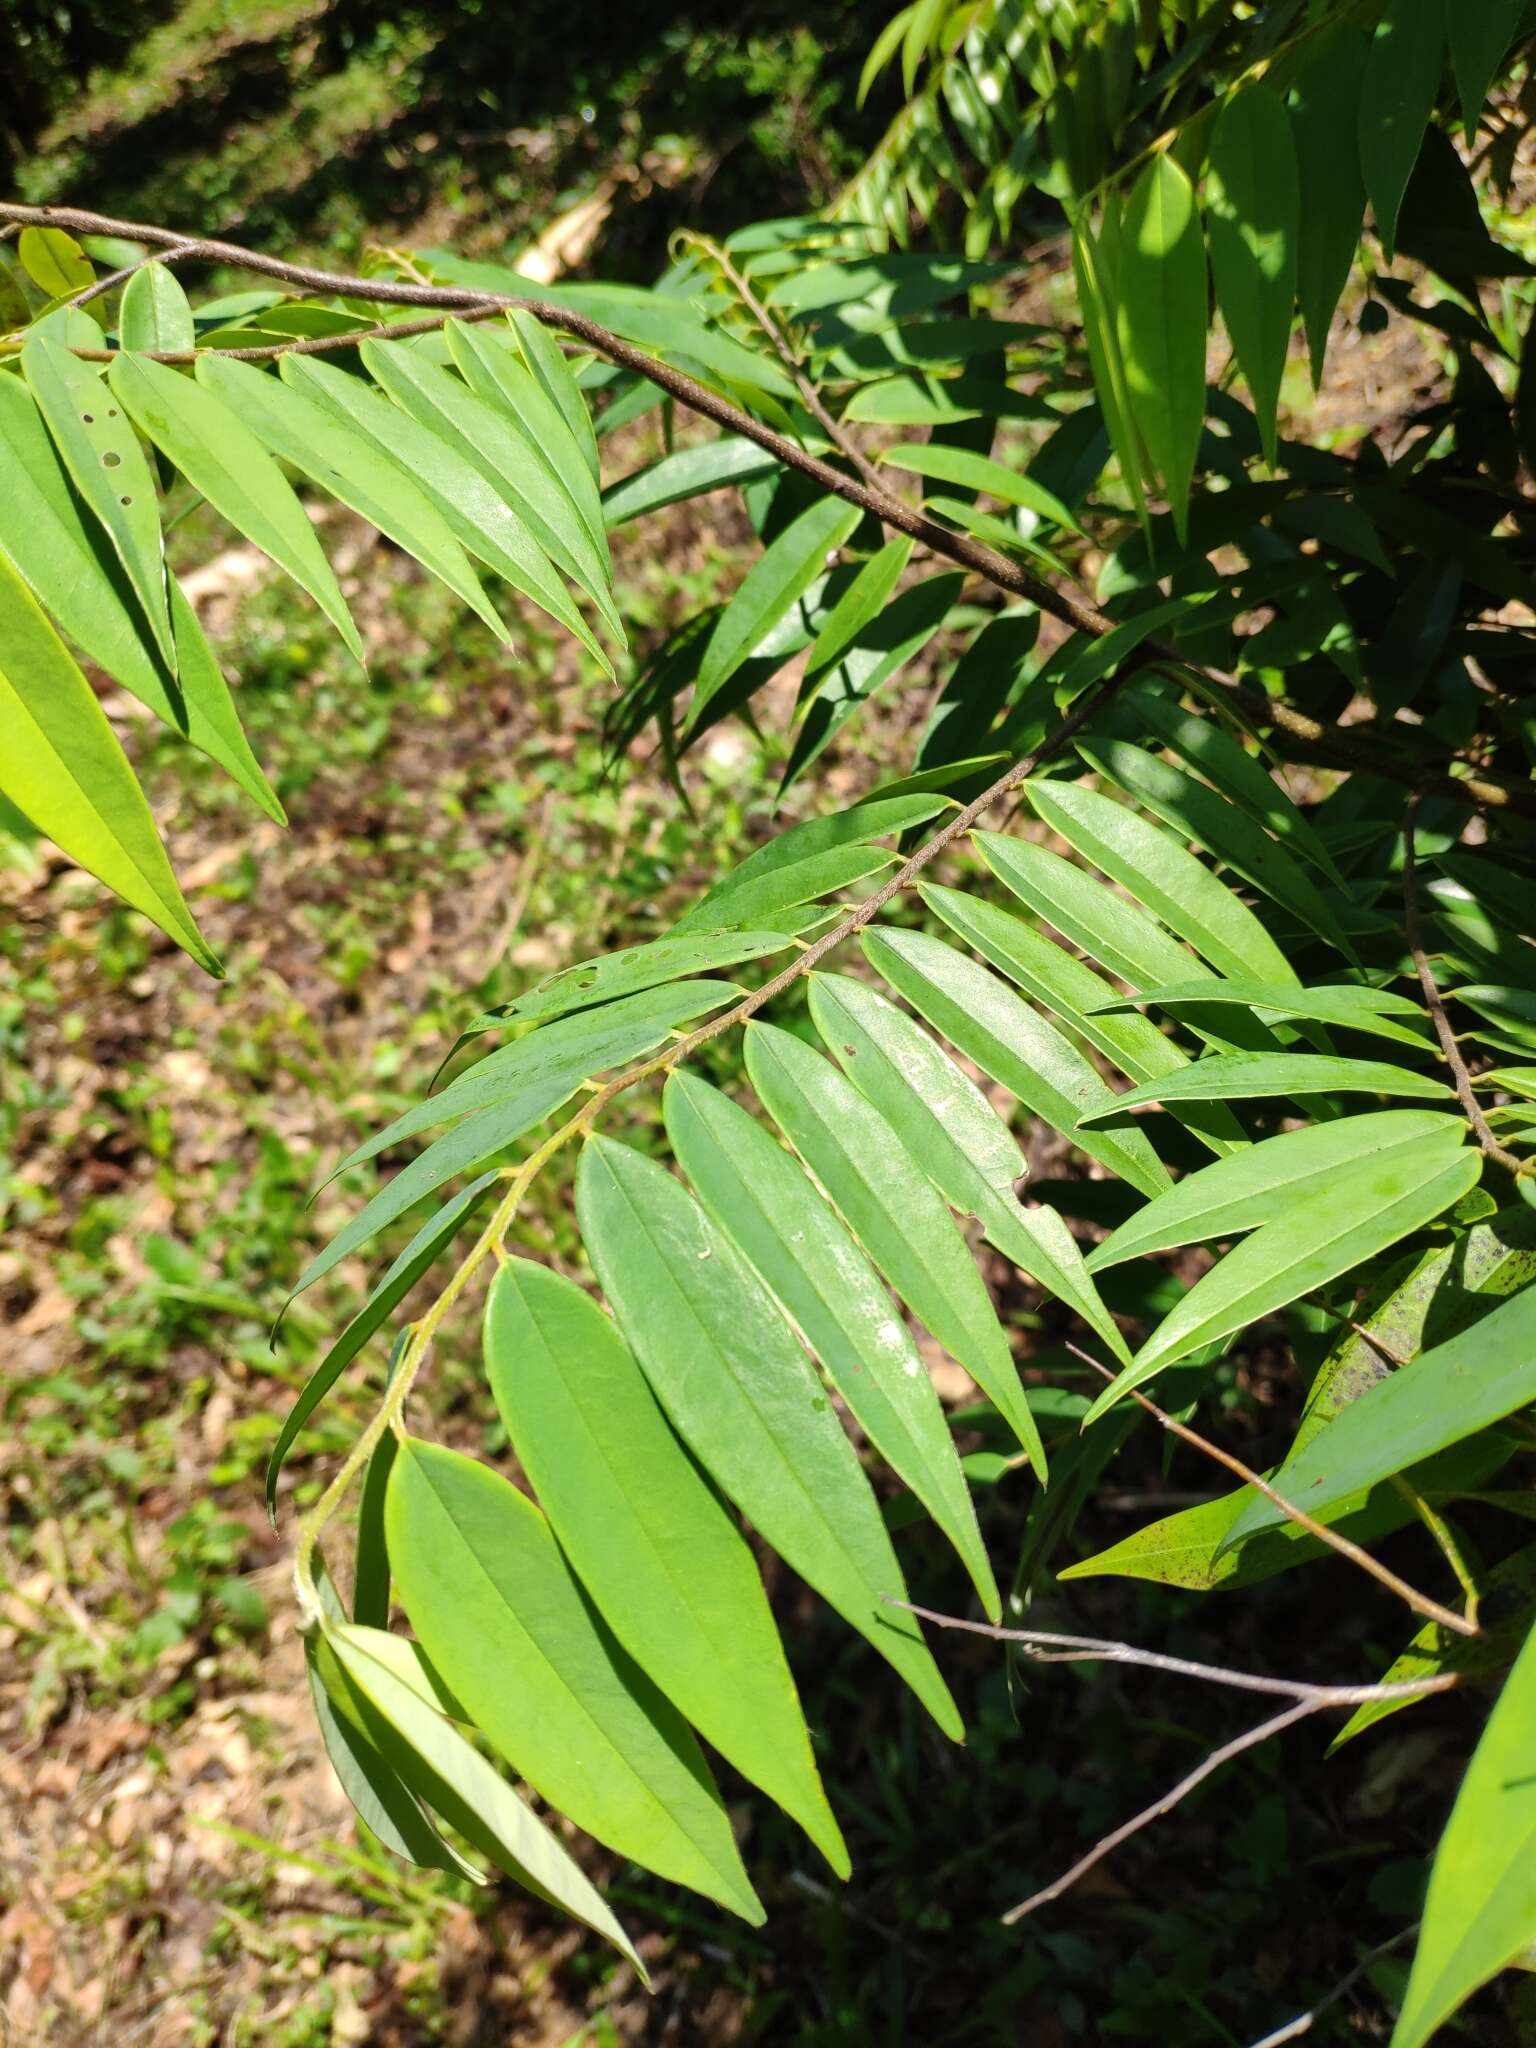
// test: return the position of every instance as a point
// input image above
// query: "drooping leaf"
(687, 473)
(1160, 310)
(155, 317)
(1479, 37)
(425, 1749)
(372, 1578)
(1325, 114)
(546, 359)
(506, 1623)
(1443, 1396)
(107, 467)
(221, 458)
(1246, 1076)
(1016, 1046)
(1402, 76)
(1253, 205)
(726, 1367)
(1096, 268)
(66, 560)
(808, 861)
(784, 572)
(763, 1201)
(61, 764)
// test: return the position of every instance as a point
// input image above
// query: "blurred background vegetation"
(180, 1868)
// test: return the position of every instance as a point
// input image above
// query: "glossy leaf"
(1095, 267)
(726, 1367)
(860, 603)
(155, 317)
(1325, 114)
(546, 359)
(1015, 1046)
(221, 458)
(54, 261)
(1349, 1005)
(1402, 76)
(507, 1625)
(763, 1201)
(107, 467)
(633, 969)
(808, 861)
(980, 473)
(61, 764)
(1253, 206)
(658, 1552)
(1160, 308)
(1242, 1076)
(687, 473)
(419, 1741)
(1356, 1216)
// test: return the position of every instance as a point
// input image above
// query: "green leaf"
(665, 327)
(1164, 877)
(687, 473)
(955, 1135)
(1244, 1076)
(763, 1201)
(634, 969)
(65, 559)
(1356, 1216)
(221, 458)
(418, 1257)
(332, 453)
(1096, 268)
(861, 602)
(155, 317)
(54, 261)
(658, 1552)
(61, 764)
(506, 1623)
(427, 1751)
(1448, 1393)
(1479, 35)
(1160, 321)
(1481, 1910)
(504, 1097)
(1253, 205)
(479, 473)
(372, 1579)
(1325, 113)
(1080, 998)
(894, 1210)
(1199, 813)
(740, 1391)
(1015, 1046)
(980, 473)
(546, 359)
(1262, 1184)
(782, 573)
(1350, 1006)
(807, 862)
(108, 469)
(1402, 76)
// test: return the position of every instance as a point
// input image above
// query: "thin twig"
(1413, 931)
(1419, 1602)
(95, 289)
(1304, 2022)
(1307, 738)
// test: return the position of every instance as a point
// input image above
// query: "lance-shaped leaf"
(64, 557)
(763, 1201)
(1351, 1006)
(975, 472)
(863, 600)
(1160, 309)
(1096, 269)
(1240, 1076)
(481, 477)
(1356, 1216)
(434, 1759)
(546, 359)
(1325, 114)
(1444, 1395)
(1220, 827)
(329, 450)
(948, 1126)
(740, 1391)
(892, 1208)
(782, 573)
(506, 1623)
(632, 969)
(222, 458)
(1053, 977)
(1015, 1046)
(107, 467)
(808, 861)
(655, 1547)
(1479, 37)
(1480, 1915)
(60, 764)
(687, 473)
(418, 1257)
(1253, 206)
(1402, 76)
(1163, 876)
(1264, 1183)
(537, 1080)
(154, 314)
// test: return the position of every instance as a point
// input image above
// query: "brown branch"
(1419, 1602)
(105, 284)
(301, 345)
(1413, 931)
(1307, 737)
(1304, 2022)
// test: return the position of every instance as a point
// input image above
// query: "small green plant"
(1282, 1027)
